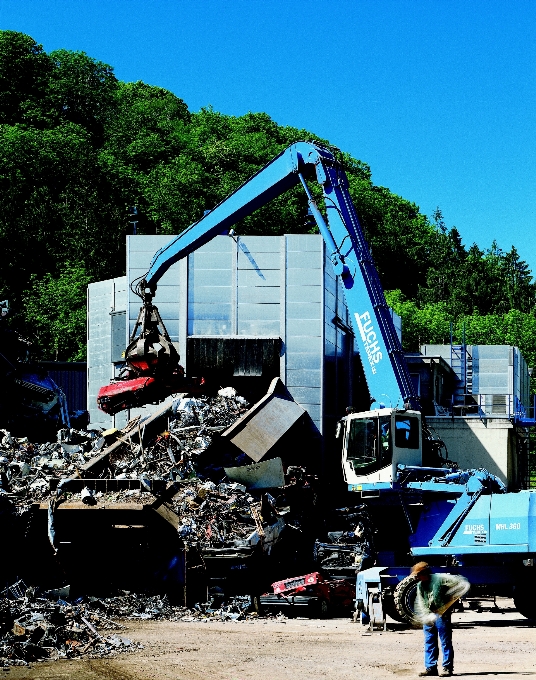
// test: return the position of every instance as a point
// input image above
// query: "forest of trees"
(78, 147)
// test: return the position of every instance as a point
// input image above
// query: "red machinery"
(152, 370)
(317, 596)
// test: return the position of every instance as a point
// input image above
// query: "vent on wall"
(118, 336)
(237, 357)
(498, 404)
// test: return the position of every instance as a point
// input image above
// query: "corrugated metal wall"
(270, 287)
(492, 369)
(254, 286)
(498, 371)
(339, 348)
(303, 323)
(278, 288)
(104, 299)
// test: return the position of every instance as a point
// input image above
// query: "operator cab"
(375, 442)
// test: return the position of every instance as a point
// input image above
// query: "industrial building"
(247, 309)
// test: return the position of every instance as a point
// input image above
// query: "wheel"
(323, 609)
(525, 595)
(390, 609)
(319, 609)
(404, 598)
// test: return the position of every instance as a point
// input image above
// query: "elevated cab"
(375, 442)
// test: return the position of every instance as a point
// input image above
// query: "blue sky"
(437, 96)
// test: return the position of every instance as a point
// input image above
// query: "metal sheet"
(304, 293)
(264, 475)
(304, 310)
(303, 377)
(260, 328)
(299, 260)
(265, 423)
(302, 243)
(509, 518)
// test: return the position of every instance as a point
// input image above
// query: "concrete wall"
(473, 443)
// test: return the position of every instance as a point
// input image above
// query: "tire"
(525, 596)
(319, 609)
(323, 609)
(404, 598)
(389, 608)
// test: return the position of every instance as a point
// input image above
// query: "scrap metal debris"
(226, 516)
(38, 626)
(213, 515)
(32, 472)
(133, 606)
(177, 453)
(35, 627)
(347, 551)
(174, 462)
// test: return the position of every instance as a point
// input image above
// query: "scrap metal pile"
(213, 514)
(351, 549)
(177, 453)
(173, 462)
(36, 627)
(29, 472)
(136, 606)
(226, 516)
(33, 472)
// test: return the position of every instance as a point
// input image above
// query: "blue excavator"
(461, 521)
(152, 361)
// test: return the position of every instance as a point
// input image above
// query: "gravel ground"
(487, 643)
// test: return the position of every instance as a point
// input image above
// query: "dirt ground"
(486, 643)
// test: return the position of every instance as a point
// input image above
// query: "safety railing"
(486, 406)
(525, 417)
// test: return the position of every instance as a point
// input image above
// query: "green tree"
(146, 142)
(24, 76)
(520, 288)
(420, 325)
(400, 236)
(55, 205)
(78, 147)
(81, 90)
(55, 308)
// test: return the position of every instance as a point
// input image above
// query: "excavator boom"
(150, 354)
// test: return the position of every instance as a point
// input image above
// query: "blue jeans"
(441, 629)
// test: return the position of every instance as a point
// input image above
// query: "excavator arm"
(389, 381)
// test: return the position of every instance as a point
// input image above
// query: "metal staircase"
(461, 363)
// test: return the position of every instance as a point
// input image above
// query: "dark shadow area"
(497, 673)
(496, 623)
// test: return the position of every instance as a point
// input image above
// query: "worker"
(436, 593)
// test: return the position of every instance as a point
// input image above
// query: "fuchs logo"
(368, 335)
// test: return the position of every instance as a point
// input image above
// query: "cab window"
(406, 432)
(369, 444)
